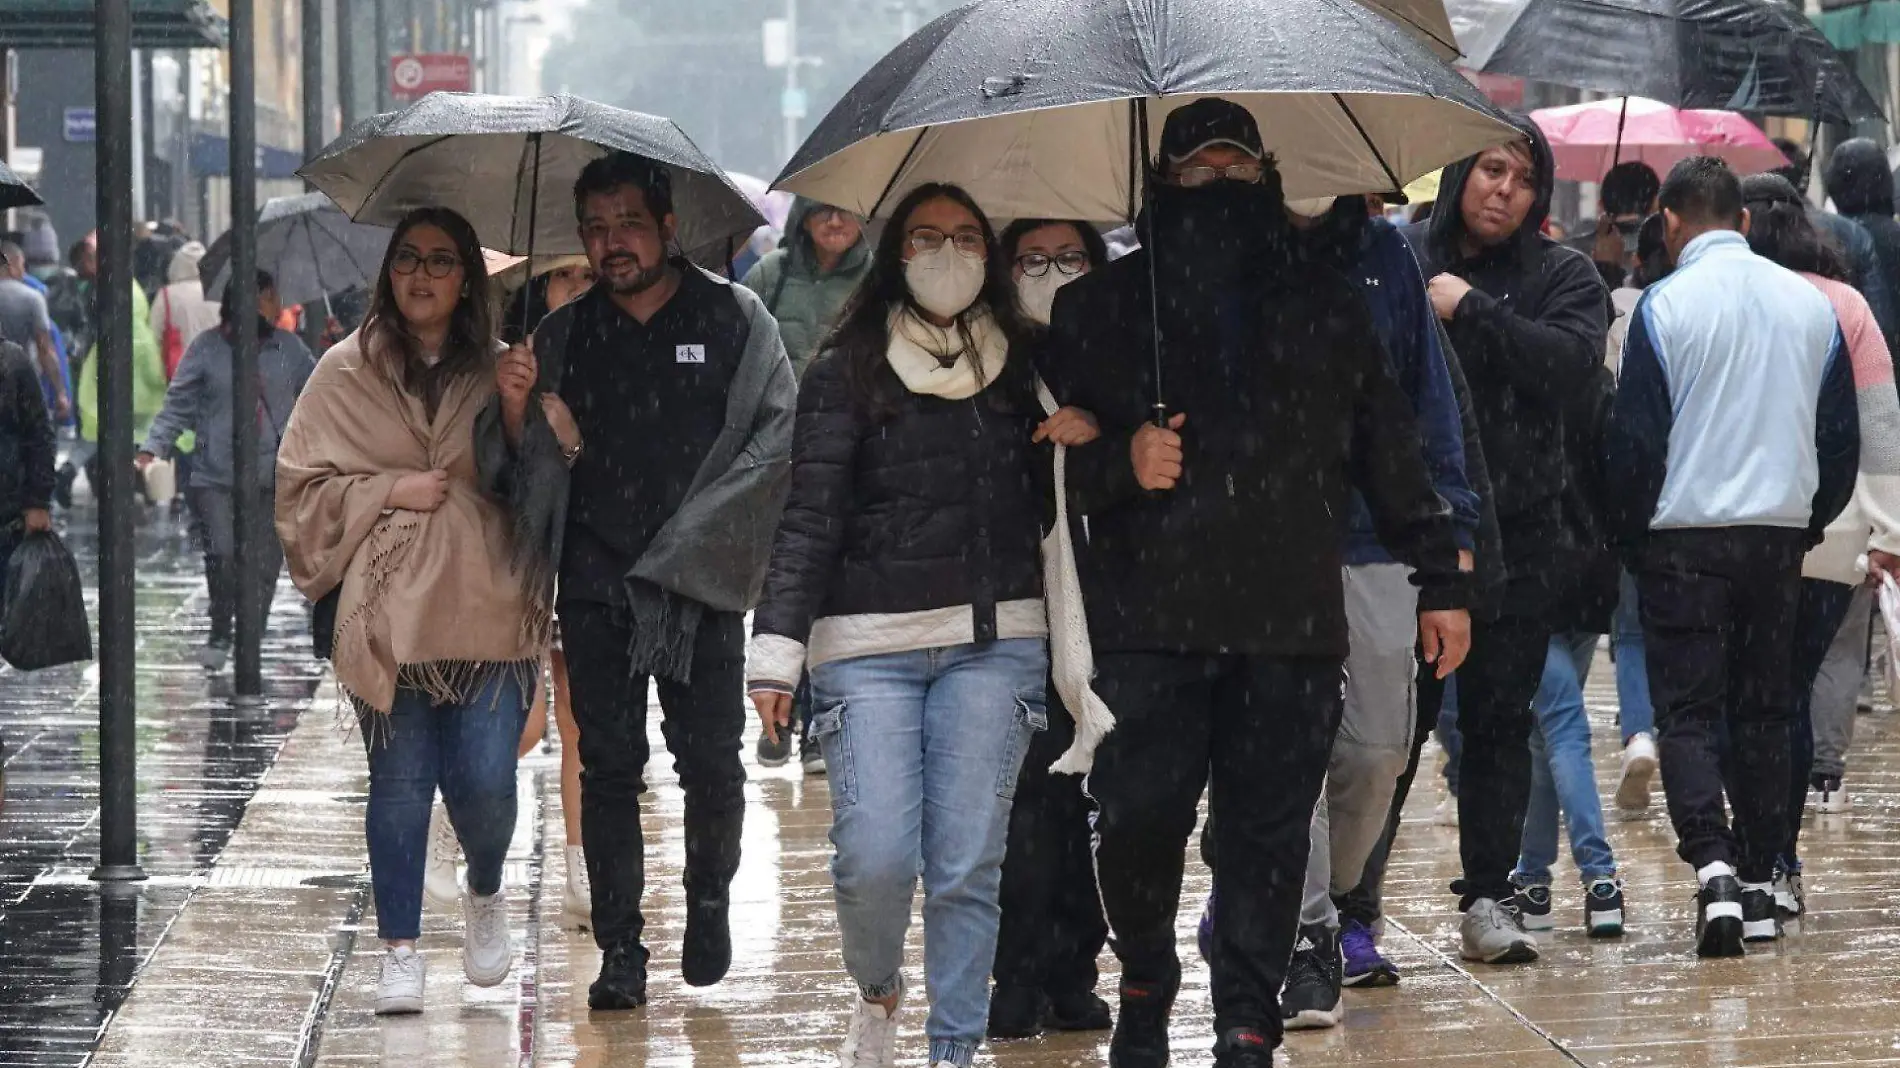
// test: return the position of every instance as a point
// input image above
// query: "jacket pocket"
(1032, 717)
(829, 735)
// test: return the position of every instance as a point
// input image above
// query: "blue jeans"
(469, 751)
(1448, 737)
(1636, 714)
(1562, 777)
(923, 749)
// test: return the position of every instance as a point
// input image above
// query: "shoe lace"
(401, 967)
(874, 1038)
(442, 842)
(488, 919)
(1503, 917)
(1306, 966)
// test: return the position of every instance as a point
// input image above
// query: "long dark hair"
(388, 339)
(862, 336)
(1779, 229)
(229, 313)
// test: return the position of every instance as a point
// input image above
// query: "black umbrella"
(1050, 108)
(14, 192)
(308, 245)
(508, 165)
(1760, 56)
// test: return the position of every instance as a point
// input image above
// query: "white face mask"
(945, 282)
(1311, 207)
(1038, 295)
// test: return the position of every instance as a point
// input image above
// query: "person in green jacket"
(148, 395)
(806, 280)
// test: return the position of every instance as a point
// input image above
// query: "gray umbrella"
(308, 245)
(14, 192)
(508, 165)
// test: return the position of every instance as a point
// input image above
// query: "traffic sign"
(412, 77)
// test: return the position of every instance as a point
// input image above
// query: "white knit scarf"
(918, 349)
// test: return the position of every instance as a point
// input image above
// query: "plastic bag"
(43, 621)
(1890, 617)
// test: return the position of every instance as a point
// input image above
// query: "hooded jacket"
(1530, 335)
(26, 436)
(182, 302)
(1860, 183)
(804, 298)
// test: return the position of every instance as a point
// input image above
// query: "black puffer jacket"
(1861, 186)
(939, 505)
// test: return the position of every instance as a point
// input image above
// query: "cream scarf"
(918, 350)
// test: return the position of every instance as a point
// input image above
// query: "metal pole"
(315, 129)
(345, 64)
(245, 501)
(382, 55)
(118, 694)
(791, 78)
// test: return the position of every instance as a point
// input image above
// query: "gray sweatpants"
(1375, 735)
(1837, 688)
(215, 523)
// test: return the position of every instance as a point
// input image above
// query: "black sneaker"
(623, 979)
(1533, 904)
(773, 754)
(706, 952)
(1080, 1011)
(1718, 920)
(1760, 921)
(1310, 1000)
(1015, 1012)
(63, 480)
(1603, 909)
(1141, 1028)
(1243, 1048)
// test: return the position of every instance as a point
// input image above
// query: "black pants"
(1052, 928)
(1365, 904)
(1496, 687)
(1260, 729)
(1822, 610)
(704, 719)
(214, 522)
(1719, 609)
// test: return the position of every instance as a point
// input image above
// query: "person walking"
(200, 402)
(1861, 544)
(1732, 445)
(380, 506)
(667, 390)
(1851, 238)
(1051, 930)
(180, 312)
(1213, 569)
(1860, 183)
(1528, 319)
(25, 321)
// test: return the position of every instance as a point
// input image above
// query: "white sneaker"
(1446, 814)
(871, 1041)
(488, 951)
(1640, 761)
(1831, 799)
(438, 876)
(1494, 933)
(578, 904)
(399, 989)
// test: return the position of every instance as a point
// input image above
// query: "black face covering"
(1215, 232)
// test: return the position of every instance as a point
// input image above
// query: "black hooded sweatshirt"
(1530, 335)
(1861, 186)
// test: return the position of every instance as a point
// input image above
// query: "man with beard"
(1212, 573)
(680, 388)
(1528, 319)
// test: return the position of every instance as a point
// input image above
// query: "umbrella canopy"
(308, 245)
(1739, 55)
(508, 165)
(1589, 139)
(1037, 107)
(14, 192)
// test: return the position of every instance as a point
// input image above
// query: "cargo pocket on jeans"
(828, 734)
(1032, 716)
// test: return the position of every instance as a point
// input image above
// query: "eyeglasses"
(1196, 177)
(968, 242)
(437, 264)
(1035, 264)
(826, 215)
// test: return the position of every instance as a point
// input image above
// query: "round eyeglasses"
(1035, 264)
(968, 242)
(436, 264)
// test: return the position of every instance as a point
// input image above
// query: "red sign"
(414, 77)
(1503, 90)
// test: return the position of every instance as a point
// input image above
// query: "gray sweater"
(200, 400)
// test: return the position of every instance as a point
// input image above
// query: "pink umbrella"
(1589, 139)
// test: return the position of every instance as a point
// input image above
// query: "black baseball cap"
(1210, 121)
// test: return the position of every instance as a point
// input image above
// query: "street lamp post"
(505, 58)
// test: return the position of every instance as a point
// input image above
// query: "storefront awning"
(69, 24)
(1851, 26)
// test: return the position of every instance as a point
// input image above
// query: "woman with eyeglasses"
(906, 574)
(437, 637)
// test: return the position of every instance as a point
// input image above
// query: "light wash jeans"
(1636, 715)
(922, 750)
(1562, 777)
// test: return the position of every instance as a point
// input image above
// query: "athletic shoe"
(1791, 898)
(399, 988)
(1759, 920)
(1141, 1027)
(871, 1041)
(487, 950)
(812, 759)
(1243, 1048)
(1494, 934)
(1015, 1012)
(1204, 931)
(1446, 814)
(215, 655)
(1533, 904)
(1603, 909)
(773, 754)
(623, 979)
(706, 952)
(1079, 1011)
(577, 904)
(1365, 966)
(439, 883)
(1311, 999)
(1828, 796)
(1639, 765)
(1718, 923)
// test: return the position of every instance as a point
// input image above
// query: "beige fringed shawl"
(428, 598)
